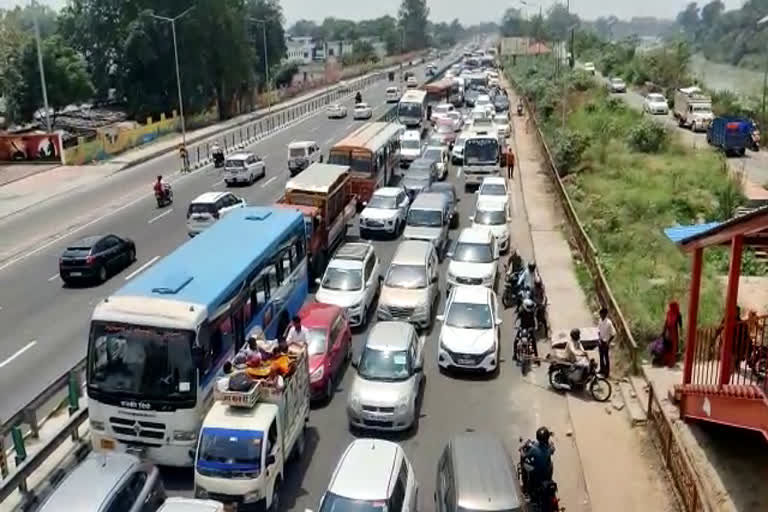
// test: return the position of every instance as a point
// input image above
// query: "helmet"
(528, 305)
(159, 178)
(531, 265)
(575, 334)
(542, 435)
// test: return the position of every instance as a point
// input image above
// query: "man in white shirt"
(297, 333)
(606, 333)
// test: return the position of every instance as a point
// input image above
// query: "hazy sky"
(466, 10)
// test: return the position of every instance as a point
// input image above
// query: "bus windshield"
(411, 110)
(481, 151)
(359, 162)
(143, 362)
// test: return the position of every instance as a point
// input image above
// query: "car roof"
(475, 235)
(429, 201)
(491, 203)
(387, 191)
(442, 186)
(411, 134)
(209, 197)
(494, 180)
(471, 294)
(366, 470)
(412, 252)
(434, 148)
(318, 314)
(486, 477)
(86, 241)
(363, 105)
(389, 336)
(301, 143)
(90, 484)
(422, 162)
(239, 156)
(355, 251)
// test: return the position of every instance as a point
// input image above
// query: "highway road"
(45, 324)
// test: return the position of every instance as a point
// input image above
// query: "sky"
(466, 10)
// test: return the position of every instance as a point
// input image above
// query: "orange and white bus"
(446, 90)
(373, 154)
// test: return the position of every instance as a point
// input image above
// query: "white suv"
(243, 168)
(372, 474)
(210, 207)
(474, 259)
(385, 212)
(493, 187)
(491, 213)
(352, 281)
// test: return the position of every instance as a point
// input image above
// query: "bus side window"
(275, 276)
(299, 250)
(285, 263)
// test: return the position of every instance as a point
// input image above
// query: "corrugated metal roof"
(681, 233)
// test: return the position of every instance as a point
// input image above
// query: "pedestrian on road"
(606, 333)
(510, 165)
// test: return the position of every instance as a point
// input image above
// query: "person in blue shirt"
(539, 453)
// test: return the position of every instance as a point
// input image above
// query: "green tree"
(304, 28)
(12, 41)
(559, 22)
(413, 17)
(512, 23)
(689, 20)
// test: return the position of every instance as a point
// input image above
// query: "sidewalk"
(620, 466)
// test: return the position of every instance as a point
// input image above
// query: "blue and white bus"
(157, 345)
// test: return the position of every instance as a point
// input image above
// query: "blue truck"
(731, 135)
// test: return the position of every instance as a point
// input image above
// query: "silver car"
(428, 219)
(386, 387)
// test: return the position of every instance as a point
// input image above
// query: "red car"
(329, 342)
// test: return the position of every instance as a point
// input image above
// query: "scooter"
(166, 197)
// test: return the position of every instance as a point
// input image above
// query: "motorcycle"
(165, 197)
(511, 278)
(560, 378)
(539, 297)
(544, 497)
(358, 98)
(524, 340)
(519, 109)
(757, 360)
(218, 158)
(754, 140)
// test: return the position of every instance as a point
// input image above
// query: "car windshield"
(493, 189)
(656, 98)
(407, 276)
(383, 202)
(490, 217)
(141, 362)
(335, 503)
(316, 341)
(225, 450)
(433, 154)
(473, 253)
(343, 279)
(297, 152)
(386, 365)
(410, 144)
(235, 163)
(425, 218)
(481, 151)
(618, 81)
(469, 316)
(444, 127)
(413, 110)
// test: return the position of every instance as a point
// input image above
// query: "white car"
(617, 85)
(455, 119)
(440, 155)
(457, 153)
(393, 94)
(336, 111)
(491, 213)
(441, 110)
(209, 207)
(484, 100)
(589, 67)
(469, 336)
(190, 505)
(493, 187)
(474, 259)
(369, 473)
(412, 82)
(385, 212)
(502, 124)
(410, 147)
(656, 103)
(243, 168)
(362, 111)
(352, 281)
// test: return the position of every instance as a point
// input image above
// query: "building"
(299, 49)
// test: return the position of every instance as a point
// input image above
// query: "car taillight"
(89, 260)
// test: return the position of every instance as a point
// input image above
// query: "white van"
(302, 154)
(410, 147)
(393, 94)
(209, 207)
(243, 168)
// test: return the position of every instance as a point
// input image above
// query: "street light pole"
(42, 68)
(172, 21)
(565, 91)
(765, 76)
(266, 61)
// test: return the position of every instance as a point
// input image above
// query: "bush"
(648, 137)
(581, 81)
(614, 104)
(567, 149)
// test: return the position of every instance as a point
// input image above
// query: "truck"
(693, 109)
(731, 135)
(251, 433)
(324, 195)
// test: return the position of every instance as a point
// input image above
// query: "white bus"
(158, 345)
(412, 110)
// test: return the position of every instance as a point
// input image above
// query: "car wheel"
(131, 256)
(102, 275)
(329, 389)
(275, 505)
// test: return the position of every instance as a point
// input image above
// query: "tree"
(66, 76)
(304, 28)
(512, 23)
(362, 51)
(559, 22)
(688, 19)
(12, 42)
(413, 17)
(711, 12)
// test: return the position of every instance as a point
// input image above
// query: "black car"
(449, 191)
(501, 103)
(96, 257)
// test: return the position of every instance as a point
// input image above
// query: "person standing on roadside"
(606, 333)
(510, 164)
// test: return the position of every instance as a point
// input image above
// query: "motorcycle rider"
(575, 353)
(530, 279)
(358, 97)
(161, 188)
(540, 454)
(527, 318)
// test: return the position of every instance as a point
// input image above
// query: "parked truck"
(693, 109)
(250, 433)
(731, 135)
(323, 193)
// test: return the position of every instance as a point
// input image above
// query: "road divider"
(141, 268)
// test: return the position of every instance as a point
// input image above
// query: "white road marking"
(53, 277)
(158, 217)
(328, 142)
(141, 268)
(19, 352)
(270, 180)
(220, 182)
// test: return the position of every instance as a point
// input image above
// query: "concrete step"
(635, 411)
(640, 387)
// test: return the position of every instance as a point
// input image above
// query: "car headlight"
(451, 276)
(184, 435)
(487, 280)
(252, 496)
(317, 374)
(97, 425)
(402, 405)
(354, 402)
(201, 493)
(491, 350)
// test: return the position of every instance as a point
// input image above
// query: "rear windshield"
(201, 208)
(297, 152)
(235, 163)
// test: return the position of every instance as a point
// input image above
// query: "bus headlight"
(252, 496)
(97, 425)
(184, 435)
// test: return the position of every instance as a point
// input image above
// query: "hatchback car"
(501, 103)
(362, 111)
(617, 85)
(385, 212)
(386, 389)
(469, 336)
(474, 259)
(410, 147)
(445, 129)
(491, 213)
(449, 191)
(502, 125)
(372, 475)
(243, 168)
(441, 110)
(411, 82)
(108, 482)
(417, 180)
(656, 103)
(336, 111)
(411, 286)
(589, 67)
(209, 207)
(440, 155)
(96, 257)
(494, 187)
(457, 153)
(329, 344)
(352, 281)
(393, 94)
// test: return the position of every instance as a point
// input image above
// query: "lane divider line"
(141, 268)
(18, 353)
(53, 277)
(158, 217)
(270, 180)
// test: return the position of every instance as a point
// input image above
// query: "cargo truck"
(693, 109)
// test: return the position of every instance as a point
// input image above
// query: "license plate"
(107, 444)
(234, 172)
(466, 361)
(75, 274)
